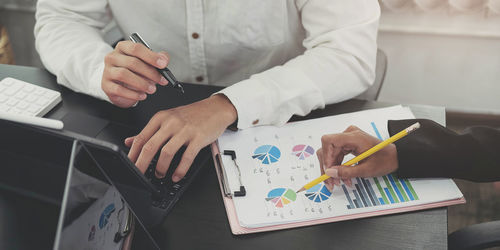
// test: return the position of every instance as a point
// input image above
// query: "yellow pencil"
(365, 154)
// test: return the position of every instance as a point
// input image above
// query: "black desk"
(199, 220)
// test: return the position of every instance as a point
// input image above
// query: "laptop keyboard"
(168, 191)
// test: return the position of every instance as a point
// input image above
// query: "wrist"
(228, 112)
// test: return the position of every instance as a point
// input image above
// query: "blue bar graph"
(407, 190)
(395, 187)
(363, 194)
(389, 195)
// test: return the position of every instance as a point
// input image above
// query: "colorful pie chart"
(281, 196)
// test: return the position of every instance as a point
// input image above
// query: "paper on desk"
(275, 162)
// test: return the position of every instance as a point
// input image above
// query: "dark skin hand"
(354, 141)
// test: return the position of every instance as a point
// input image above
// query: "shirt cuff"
(250, 104)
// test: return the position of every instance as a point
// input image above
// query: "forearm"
(434, 151)
(70, 44)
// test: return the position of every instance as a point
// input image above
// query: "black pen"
(164, 72)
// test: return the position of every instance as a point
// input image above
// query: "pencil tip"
(300, 190)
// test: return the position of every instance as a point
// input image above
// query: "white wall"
(442, 56)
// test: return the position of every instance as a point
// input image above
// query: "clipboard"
(237, 229)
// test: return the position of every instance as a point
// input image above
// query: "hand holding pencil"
(381, 156)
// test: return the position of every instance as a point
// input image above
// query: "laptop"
(59, 181)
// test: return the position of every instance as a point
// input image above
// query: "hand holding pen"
(131, 73)
(165, 72)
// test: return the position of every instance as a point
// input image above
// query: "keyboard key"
(164, 205)
(23, 105)
(5, 108)
(33, 109)
(12, 90)
(7, 82)
(31, 98)
(156, 203)
(3, 98)
(39, 91)
(42, 101)
(12, 102)
(14, 111)
(28, 88)
(21, 95)
(50, 94)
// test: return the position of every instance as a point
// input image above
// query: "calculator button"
(33, 109)
(4, 108)
(7, 82)
(28, 88)
(42, 101)
(31, 98)
(21, 95)
(39, 91)
(12, 90)
(12, 102)
(50, 94)
(23, 105)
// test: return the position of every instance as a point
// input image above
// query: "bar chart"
(376, 191)
(368, 192)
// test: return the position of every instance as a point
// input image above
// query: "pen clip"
(136, 38)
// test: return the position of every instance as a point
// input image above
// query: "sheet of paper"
(275, 162)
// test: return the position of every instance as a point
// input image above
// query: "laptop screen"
(94, 214)
(55, 194)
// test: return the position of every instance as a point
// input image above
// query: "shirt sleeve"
(434, 151)
(69, 41)
(338, 64)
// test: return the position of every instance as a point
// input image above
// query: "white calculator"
(23, 98)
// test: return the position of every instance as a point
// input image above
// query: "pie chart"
(267, 154)
(281, 196)
(302, 151)
(106, 213)
(318, 193)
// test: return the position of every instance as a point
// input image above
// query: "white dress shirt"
(278, 57)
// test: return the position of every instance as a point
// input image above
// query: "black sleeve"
(434, 151)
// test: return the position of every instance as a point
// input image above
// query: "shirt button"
(195, 35)
(255, 122)
(199, 78)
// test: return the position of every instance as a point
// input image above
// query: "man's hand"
(130, 73)
(195, 126)
(355, 141)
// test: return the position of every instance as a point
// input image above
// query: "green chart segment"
(280, 197)
(390, 189)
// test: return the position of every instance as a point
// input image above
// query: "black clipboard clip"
(225, 184)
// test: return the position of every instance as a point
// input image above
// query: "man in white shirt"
(279, 58)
